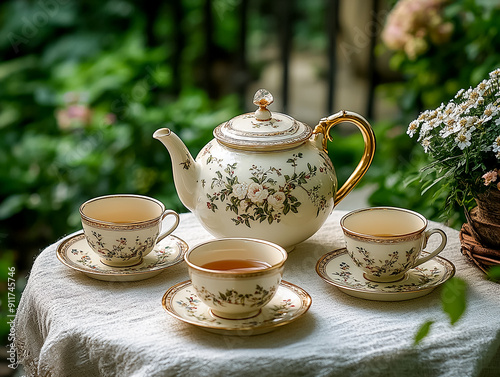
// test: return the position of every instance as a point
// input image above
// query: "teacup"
(385, 242)
(236, 277)
(124, 228)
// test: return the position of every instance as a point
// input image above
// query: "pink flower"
(490, 176)
(73, 116)
(413, 23)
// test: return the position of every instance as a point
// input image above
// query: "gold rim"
(229, 273)
(167, 303)
(63, 247)
(111, 225)
(382, 239)
(327, 258)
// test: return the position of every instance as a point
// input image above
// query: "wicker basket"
(484, 231)
(480, 236)
(482, 256)
(488, 206)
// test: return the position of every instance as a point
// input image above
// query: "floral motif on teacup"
(390, 265)
(259, 297)
(120, 248)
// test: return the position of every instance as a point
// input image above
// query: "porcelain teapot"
(265, 175)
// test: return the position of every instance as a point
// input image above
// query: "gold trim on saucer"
(88, 262)
(196, 313)
(349, 279)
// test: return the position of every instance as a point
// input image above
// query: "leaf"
(266, 207)
(422, 332)
(437, 181)
(494, 273)
(453, 298)
(410, 179)
(12, 205)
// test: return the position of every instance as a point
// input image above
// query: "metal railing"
(282, 12)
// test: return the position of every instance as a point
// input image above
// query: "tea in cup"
(236, 277)
(385, 242)
(122, 229)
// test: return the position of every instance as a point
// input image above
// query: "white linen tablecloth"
(68, 324)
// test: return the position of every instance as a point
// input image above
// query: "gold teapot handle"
(324, 127)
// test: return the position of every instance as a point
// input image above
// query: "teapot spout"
(185, 169)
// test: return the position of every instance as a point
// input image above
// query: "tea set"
(264, 184)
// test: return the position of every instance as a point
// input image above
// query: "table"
(68, 324)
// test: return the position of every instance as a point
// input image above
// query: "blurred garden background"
(84, 84)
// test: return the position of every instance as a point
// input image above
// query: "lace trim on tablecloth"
(24, 358)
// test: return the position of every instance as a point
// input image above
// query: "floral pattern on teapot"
(264, 175)
(268, 195)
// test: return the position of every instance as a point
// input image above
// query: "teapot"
(264, 175)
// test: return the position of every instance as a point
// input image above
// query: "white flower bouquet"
(462, 138)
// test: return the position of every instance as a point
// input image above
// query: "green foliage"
(454, 298)
(494, 273)
(429, 80)
(422, 332)
(78, 122)
(463, 143)
(80, 98)
(453, 302)
(394, 171)
(464, 60)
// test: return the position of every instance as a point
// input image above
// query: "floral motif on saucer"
(338, 269)
(75, 253)
(289, 303)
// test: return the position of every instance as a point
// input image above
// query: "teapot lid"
(262, 130)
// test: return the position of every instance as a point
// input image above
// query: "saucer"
(338, 269)
(77, 254)
(289, 303)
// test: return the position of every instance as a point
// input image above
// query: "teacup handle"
(324, 127)
(440, 248)
(172, 228)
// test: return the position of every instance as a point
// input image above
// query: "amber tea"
(236, 265)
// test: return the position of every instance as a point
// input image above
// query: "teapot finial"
(263, 98)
